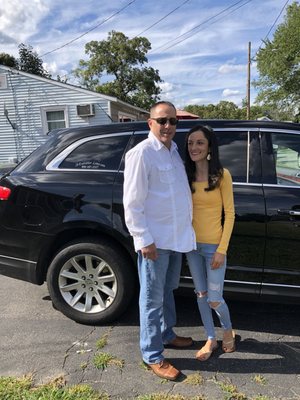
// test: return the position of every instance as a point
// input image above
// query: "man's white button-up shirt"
(157, 197)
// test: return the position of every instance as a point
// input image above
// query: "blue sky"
(200, 47)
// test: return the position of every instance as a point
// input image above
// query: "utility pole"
(248, 81)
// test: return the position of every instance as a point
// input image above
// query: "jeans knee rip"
(216, 287)
(201, 294)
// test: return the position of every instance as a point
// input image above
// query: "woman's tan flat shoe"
(203, 354)
(228, 346)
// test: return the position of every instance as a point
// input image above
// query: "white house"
(31, 105)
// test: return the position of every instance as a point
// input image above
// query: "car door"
(281, 175)
(240, 153)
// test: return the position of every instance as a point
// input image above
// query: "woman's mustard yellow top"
(207, 212)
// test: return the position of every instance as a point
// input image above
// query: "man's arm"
(135, 193)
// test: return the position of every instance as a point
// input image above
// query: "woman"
(213, 219)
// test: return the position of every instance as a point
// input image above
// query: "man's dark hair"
(167, 103)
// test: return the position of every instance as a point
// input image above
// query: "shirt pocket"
(167, 174)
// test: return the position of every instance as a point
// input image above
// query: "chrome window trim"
(263, 284)
(280, 285)
(247, 184)
(251, 283)
(54, 164)
(278, 130)
(281, 186)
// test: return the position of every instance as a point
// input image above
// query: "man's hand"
(149, 252)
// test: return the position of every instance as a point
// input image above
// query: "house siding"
(22, 102)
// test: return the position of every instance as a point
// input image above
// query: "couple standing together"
(169, 210)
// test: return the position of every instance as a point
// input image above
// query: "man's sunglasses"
(163, 121)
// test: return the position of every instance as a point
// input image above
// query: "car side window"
(232, 147)
(233, 153)
(97, 154)
(286, 151)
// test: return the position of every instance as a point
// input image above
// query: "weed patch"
(102, 341)
(231, 391)
(164, 396)
(260, 379)
(194, 379)
(24, 389)
(103, 360)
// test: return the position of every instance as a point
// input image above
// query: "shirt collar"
(158, 145)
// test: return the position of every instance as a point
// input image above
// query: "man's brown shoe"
(164, 370)
(180, 342)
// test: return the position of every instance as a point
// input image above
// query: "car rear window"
(97, 154)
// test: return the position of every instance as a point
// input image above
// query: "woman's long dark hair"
(215, 169)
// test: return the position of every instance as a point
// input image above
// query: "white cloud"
(230, 92)
(229, 68)
(20, 19)
(208, 67)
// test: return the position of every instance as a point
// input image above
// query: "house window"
(124, 117)
(54, 118)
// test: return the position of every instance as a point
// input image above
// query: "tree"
(229, 110)
(123, 59)
(30, 62)
(278, 63)
(8, 60)
(222, 110)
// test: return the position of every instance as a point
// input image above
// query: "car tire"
(92, 282)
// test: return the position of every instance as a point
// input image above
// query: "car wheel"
(91, 282)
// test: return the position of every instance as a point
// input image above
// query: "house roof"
(181, 114)
(74, 87)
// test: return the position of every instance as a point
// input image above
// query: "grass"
(165, 396)
(24, 389)
(231, 391)
(260, 379)
(102, 341)
(194, 379)
(103, 360)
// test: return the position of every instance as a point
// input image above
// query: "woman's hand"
(217, 260)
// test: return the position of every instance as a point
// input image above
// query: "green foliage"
(260, 379)
(231, 391)
(278, 63)
(124, 60)
(8, 60)
(102, 342)
(103, 360)
(23, 389)
(30, 62)
(225, 110)
(222, 110)
(167, 396)
(195, 379)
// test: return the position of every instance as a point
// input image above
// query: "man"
(158, 214)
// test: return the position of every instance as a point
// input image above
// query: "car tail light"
(4, 193)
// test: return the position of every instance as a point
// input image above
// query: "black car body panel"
(72, 187)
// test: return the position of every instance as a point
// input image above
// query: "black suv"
(62, 218)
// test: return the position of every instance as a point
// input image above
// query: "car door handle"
(291, 212)
(288, 212)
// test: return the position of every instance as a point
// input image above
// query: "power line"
(196, 27)
(267, 35)
(85, 33)
(161, 19)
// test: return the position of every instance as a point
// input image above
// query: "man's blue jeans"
(158, 279)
